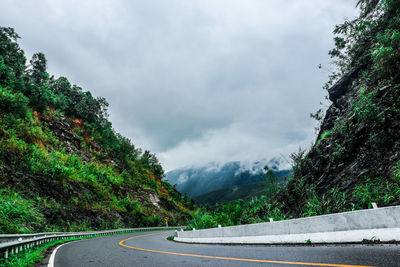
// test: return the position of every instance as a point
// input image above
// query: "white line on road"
(53, 254)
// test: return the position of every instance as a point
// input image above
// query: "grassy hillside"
(62, 166)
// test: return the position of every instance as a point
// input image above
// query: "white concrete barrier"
(381, 224)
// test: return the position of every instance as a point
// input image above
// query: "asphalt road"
(152, 249)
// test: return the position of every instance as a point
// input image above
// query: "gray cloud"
(194, 81)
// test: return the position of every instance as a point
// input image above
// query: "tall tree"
(38, 71)
(12, 59)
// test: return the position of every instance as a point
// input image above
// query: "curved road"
(152, 249)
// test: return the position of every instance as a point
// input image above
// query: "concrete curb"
(381, 224)
(355, 236)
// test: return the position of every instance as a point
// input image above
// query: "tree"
(151, 161)
(12, 59)
(38, 71)
(376, 30)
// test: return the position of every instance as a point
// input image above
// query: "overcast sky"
(194, 81)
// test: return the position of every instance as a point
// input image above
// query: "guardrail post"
(6, 254)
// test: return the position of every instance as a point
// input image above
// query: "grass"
(323, 136)
(378, 190)
(17, 214)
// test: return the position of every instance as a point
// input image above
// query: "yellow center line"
(234, 259)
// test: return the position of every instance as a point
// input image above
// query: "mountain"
(197, 181)
(232, 193)
(62, 165)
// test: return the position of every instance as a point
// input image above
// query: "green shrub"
(386, 51)
(15, 103)
(17, 214)
(383, 192)
(203, 220)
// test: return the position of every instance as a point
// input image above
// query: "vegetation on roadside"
(31, 256)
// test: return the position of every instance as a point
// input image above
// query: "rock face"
(359, 139)
(341, 87)
(62, 129)
(154, 200)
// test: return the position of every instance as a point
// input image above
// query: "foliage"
(271, 180)
(378, 190)
(332, 202)
(299, 161)
(238, 212)
(364, 107)
(372, 38)
(31, 256)
(59, 152)
(16, 103)
(17, 214)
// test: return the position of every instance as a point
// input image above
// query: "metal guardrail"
(16, 243)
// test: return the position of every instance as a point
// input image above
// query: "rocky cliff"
(355, 159)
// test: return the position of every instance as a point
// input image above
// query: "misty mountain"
(196, 181)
